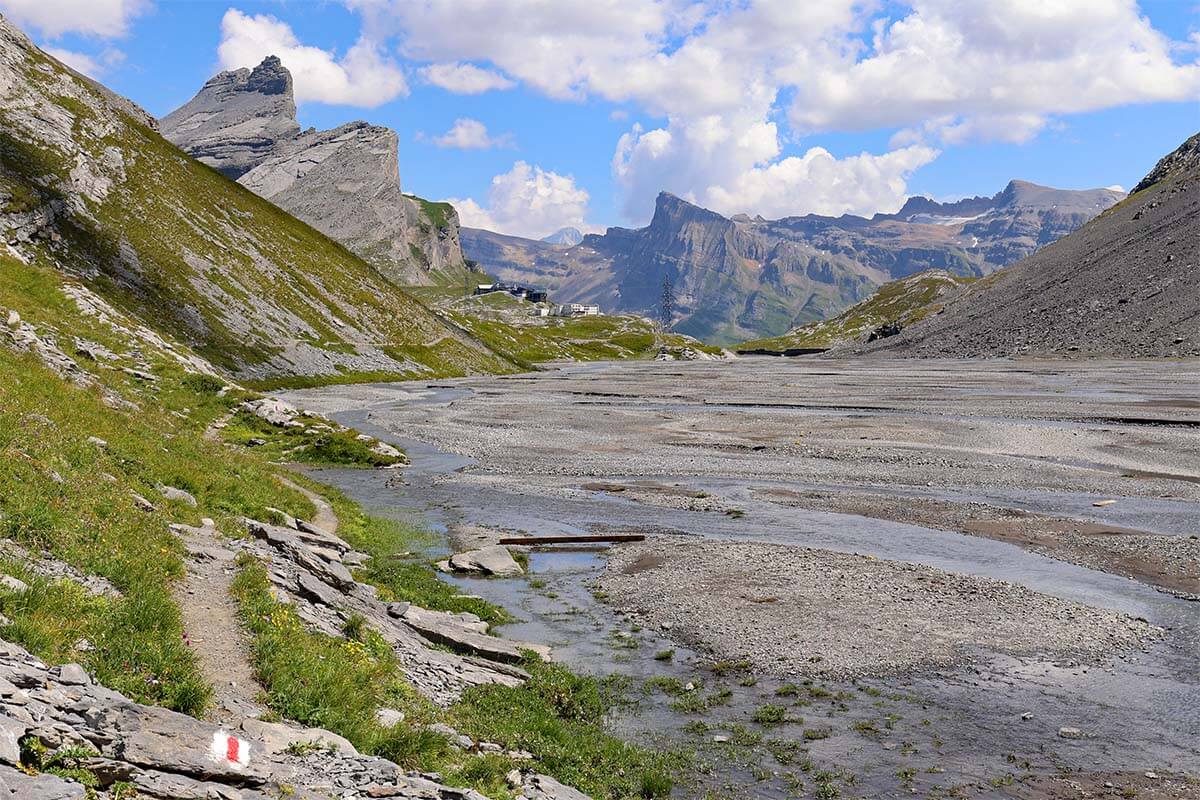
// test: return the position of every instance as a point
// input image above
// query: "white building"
(576, 310)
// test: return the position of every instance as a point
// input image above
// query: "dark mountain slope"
(1126, 284)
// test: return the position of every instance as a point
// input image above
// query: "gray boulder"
(491, 560)
(177, 495)
(10, 584)
(276, 737)
(273, 411)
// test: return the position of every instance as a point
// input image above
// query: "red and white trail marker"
(230, 749)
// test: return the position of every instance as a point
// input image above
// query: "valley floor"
(876, 577)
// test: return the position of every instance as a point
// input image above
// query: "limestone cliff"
(344, 182)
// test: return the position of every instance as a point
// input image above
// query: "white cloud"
(91, 65)
(735, 81)
(471, 134)
(818, 183)
(465, 78)
(80, 62)
(992, 70)
(527, 201)
(52, 18)
(363, 76)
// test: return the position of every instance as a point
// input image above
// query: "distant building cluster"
(541, 298)
(519, 292)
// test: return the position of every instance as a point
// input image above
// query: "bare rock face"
(344, 182)
(238, 118)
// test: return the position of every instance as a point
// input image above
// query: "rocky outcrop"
(238, 118)
(743, 278)
(170, 756)
(308, 570)
(1123, 285)
(344, 182)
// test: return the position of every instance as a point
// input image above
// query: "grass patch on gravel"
(559, 717)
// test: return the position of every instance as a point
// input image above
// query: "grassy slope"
(904, 301)
(68, 496)
(504, 324)
(198, 256)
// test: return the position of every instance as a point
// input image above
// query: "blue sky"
(601, 103)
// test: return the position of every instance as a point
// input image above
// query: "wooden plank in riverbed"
(534, 541)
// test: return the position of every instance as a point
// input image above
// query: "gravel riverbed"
(793, 611)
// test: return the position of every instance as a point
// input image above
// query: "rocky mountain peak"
(565, 236)
(1186, 157)
(345, 182)
(271, 77)
(237, 119)
(671, 211)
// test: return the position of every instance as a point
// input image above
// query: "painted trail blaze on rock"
(230, 748)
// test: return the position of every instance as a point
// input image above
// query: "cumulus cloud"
(734, 82)
(52, 18)
(821, 184)
(471, 134)
(993, 70)
(527, 201)
(363, 76)
(465, 78)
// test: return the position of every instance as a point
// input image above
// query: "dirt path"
(323, 515)
(213, 431)
(212, 626)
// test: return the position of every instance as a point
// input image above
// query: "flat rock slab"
(16, 785)
(543, 787)
(276, 737)
(444, 629)
(491, 560)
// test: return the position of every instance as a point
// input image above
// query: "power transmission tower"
(666, 306)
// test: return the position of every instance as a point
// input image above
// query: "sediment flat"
(795, 611)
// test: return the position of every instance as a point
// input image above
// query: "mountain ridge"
(89, 189)
(744, 278)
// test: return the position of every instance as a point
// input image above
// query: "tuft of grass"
(769, 714)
